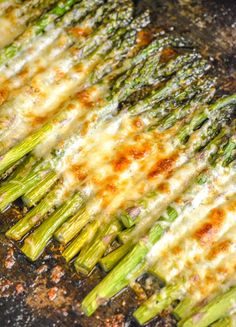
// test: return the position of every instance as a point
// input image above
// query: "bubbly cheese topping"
(209, 226)
(10, 28)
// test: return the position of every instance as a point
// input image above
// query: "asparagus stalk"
(203, 115)
(78, 222)
(37, 241)
(213, 311)
(184, 76)
(155, 47)
(110, 285)
(17, 17)
(37, 193)
(110, 261)
(37, 28)
(126, 45)
(55, 198)
(185, 103)
(157, 303)
(228, 321)
(124, 235)
(79, 242)
(181, 112)
(90, 255)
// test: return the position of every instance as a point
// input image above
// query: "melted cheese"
(208, 228)
(14, 21)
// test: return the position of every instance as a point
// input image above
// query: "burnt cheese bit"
(206, 233)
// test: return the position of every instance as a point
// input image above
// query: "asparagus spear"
(214, 310)
(165, 116)
(90, 254)
(84, 237)
(228, 321)
(124, 235)
(110, 261)
(16, 19)
(157, 303)
(55, 198)
(203, 115)
(127, 44)
(37, 28)
(37, 241)
(181, 112)
(110, 285)
(184, 77)
(38, 192)
(81, 218)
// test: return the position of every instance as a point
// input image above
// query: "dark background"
(26, 289)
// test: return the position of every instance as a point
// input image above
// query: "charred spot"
(37, 120)
(232, 206)
(138, 153)
(111, 187)
(164, 188)
(176, 250)
(162, 166)
(59, 75)
(121, 163)
(24, 73)
(167, 54)
(138, 123)
(209, 279)
(71, 106)
(206, 233)
(218, 248)
(86, 99)
(144, 37)
(222, 270)
(3, 95)
(80, 32)
(79, 172)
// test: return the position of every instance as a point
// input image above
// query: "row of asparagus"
(96, 168)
